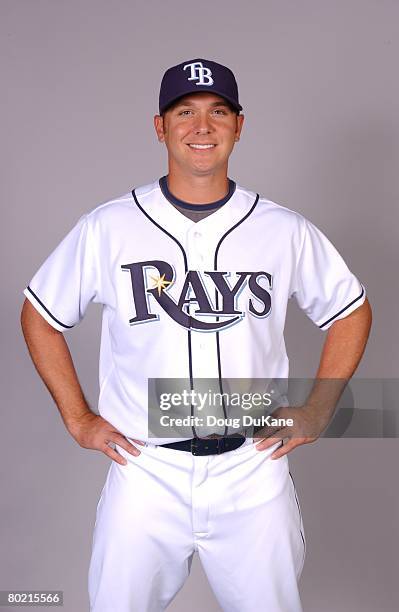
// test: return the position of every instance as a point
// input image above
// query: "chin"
(206, 166)
(204, 171)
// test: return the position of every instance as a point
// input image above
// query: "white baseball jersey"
(189, 300)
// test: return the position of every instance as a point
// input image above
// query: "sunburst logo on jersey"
(160, 283)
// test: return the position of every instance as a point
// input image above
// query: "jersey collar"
(163, 184)
(153, 203)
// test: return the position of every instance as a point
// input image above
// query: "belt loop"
(221, 445)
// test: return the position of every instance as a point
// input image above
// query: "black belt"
(207, 446)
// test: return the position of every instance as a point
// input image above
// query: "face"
(199, 132)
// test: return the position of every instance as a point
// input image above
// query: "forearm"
(53, 361)
(342, 351)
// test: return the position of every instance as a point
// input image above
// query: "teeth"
(200, 146)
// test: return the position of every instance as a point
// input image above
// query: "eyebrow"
(191, 102)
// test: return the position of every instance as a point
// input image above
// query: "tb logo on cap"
(199, 72)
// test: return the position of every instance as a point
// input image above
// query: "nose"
(202, 124)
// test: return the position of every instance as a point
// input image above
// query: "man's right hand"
(50, 354)
(92, 431)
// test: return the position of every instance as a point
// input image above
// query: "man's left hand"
(308, 423)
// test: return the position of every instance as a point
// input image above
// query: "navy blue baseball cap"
(198, 75)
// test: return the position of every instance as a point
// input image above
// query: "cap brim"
(197, 90)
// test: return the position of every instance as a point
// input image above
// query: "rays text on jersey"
(151, 282)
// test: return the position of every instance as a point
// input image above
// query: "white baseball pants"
(238, 510)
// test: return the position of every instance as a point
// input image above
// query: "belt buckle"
(201, 447)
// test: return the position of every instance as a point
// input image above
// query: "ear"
(159, 127)
(239, 124)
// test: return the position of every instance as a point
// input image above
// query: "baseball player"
(194, 273)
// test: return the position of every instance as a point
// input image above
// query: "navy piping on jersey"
(163, 184)
(217, 302)
(300, 516)
(343, 309)
(190, 361)
(47, 310)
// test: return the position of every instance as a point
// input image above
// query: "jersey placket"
(204, 355)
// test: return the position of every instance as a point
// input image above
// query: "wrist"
(74, 422)
(319, 414)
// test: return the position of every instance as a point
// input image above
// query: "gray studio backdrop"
(79, 89)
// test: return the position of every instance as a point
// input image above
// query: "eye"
(220, 111)
(185, 112)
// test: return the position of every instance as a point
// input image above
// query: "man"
(194, 273)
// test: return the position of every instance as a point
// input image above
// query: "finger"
(268, 442)
(114, 455)
(115, 432)
(285, 449)
(125, 444)
(138, 441)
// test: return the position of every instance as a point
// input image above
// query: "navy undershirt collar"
(163, 183)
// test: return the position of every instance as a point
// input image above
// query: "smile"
(202, 146)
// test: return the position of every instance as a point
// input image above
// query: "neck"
(198, 189)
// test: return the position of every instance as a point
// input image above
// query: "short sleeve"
(323, 286)
(68, 279)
